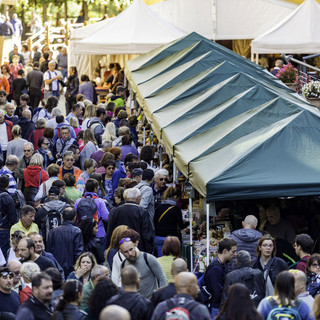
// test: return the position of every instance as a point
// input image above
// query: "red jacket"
(9, 129)
(32, 176)
(35, 136)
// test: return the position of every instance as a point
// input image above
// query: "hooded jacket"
(32, 176)
(27, 127)
(247, 239)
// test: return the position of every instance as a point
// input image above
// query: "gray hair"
(29, 269)
(131, 193)
(96, 271)
(161, 172)
(52, 62)
(12, 160)
(243, 258)
(29, 144)
(56, 111)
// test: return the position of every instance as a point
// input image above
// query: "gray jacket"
(147, 200)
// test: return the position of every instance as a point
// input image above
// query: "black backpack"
(86, 208)
(52, 220)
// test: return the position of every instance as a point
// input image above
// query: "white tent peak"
(136, 30)
(298, 33)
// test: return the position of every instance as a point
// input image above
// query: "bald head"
(250, 222)
(15, 266)
(178, 265)
(114, 312)
(26, 114)
(129, 276)
(186, 282)
(300, 281)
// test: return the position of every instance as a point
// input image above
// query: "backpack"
(87, 208)
(36, 114)
(182, 311)
(18, 199)
(53, 220)
(280, 312)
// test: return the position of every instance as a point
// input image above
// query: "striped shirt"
(12, 182)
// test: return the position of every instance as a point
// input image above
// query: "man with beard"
(9, 300)
(152, 275)
(38, 307)
(27, 252)
(38, 241)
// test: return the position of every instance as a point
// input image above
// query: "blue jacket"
(117, 175)
(68, 237)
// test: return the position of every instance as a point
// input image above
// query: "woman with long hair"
(266, 261)
(101, 192)
(13, 252)
(168, 218)
(34, 176)
(83, 267)
(72, 85)
(5, 70)
(91, 243)
(284, 296)
(102, 292)
(38, 133)
(45, 150)
(313, 274)
(15, 146)
(239, 305)
(68, 306)
(107, 180)
(90, 146)
(113, 248)
(110, 132)
(89, 114)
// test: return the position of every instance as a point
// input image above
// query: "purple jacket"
(128, 149)
(103, 213)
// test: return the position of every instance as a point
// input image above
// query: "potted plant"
(311, 91)
(288, 74)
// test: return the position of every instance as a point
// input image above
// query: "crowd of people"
(90, 222)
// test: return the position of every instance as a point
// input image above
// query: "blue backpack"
(280, 312)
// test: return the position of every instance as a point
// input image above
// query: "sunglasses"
(5, 274)
(2, 95)
(163, 179)
(46, 143)
(124, 240)
(68, 160)
(315, 265)
(26, 150)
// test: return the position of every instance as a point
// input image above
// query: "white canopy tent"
(138, 29)
(298, 33)
(224, 19)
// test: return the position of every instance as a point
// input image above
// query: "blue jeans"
(159, 241)
(214, 313)
(48, 93)
(5, 241)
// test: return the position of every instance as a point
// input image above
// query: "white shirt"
(54, 83)
(3, 136)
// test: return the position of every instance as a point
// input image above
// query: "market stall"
(233, 130)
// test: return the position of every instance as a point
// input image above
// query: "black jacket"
(72, 85)
(34, 307)
(139, 307)
(94, 246)
(252, 278)
(166, 293)
(275, 266)
(69, 238)
(8, 214)
(27, 127)
(136, 218)
(70, 312)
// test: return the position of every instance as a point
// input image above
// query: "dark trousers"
(35, 97)
(5, 242)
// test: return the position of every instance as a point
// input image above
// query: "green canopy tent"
(234, 130)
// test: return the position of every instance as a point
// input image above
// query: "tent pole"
(190, 227)
(257, 58)
(174, 174)
(208, 239)
(130, 99)
(252, 56)
(144, 135)
(160, 155)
